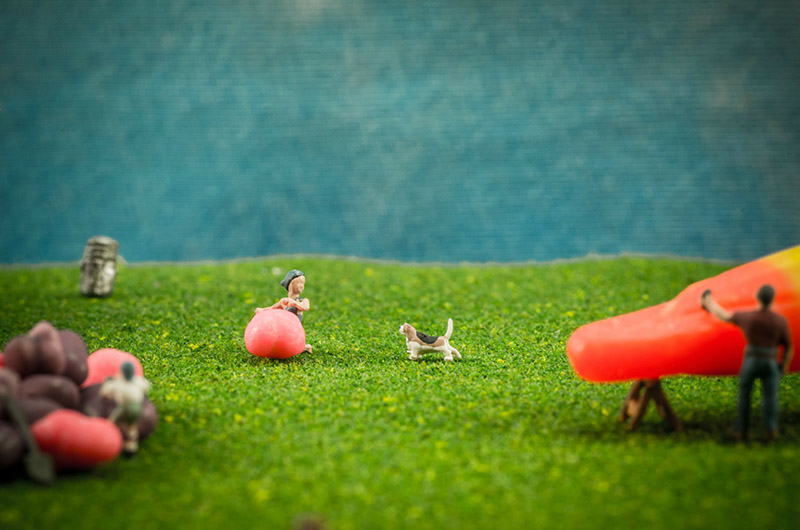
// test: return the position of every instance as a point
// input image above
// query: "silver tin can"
(99, 266)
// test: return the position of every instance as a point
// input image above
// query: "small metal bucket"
(99, 266)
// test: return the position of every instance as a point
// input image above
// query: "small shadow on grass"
(17, 474)
(436, 360)
(13, 474)
(699, 426)
(254, 360)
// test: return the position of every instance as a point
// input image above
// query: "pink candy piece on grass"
(76, 441)
(275, 334)
(106, 363)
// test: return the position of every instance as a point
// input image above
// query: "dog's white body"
(416, 345)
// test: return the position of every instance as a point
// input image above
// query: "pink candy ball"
(106, 363)
(76, 441)
(275, 334)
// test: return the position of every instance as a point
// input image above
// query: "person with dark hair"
(128, 391)
(765, 331)
(294, 282)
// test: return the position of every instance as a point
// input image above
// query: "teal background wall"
(452, 130)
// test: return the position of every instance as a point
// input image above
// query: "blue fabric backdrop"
(504, 130)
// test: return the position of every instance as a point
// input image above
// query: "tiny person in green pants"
(765, 331)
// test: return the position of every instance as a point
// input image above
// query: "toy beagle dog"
(418, 342)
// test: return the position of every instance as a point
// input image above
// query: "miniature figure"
(294, 282)
(765, 331)
(99, 266)
(418, 342)
(128, 391)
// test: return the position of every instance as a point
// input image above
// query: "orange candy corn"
(679, 336)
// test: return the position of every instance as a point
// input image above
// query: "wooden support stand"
(635, 405)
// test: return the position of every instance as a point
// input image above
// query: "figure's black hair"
(291, 275)
(765, 295)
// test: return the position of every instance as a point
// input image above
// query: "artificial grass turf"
(508, 437)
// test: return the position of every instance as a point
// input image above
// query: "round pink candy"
(275, 334)
(106, 363)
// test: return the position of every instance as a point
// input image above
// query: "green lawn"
(509, 437)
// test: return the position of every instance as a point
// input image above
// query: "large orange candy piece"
(679, 336)
(275, 333)
(76, 441)
(106, 363)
